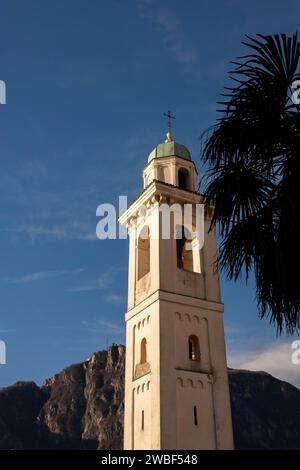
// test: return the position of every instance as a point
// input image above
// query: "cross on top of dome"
(169, 134)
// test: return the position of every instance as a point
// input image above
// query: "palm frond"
(254, 173)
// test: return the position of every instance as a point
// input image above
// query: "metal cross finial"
(169, 117)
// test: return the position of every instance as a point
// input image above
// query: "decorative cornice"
(185, 300)
(157, 193)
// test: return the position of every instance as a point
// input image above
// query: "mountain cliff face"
(19, 408)
(82, 408)
(265, 411)
(85, 405)
(79, 408)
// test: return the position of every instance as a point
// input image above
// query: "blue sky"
(87, 84)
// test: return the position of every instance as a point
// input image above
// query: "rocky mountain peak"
(82, 408)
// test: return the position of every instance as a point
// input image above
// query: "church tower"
(176, 381)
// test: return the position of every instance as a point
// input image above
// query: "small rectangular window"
(195, 416)
(142, 420)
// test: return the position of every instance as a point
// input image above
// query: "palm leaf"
(254, 173)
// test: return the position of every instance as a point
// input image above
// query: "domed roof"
(169, 149)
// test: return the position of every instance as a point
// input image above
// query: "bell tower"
(176, 381)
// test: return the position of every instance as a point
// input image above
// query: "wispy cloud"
(171, 30)
(41, 275)
(104, 281)
(97, 284)
(275, 359)
(104, 327)
(115, 299)
(59, 232)
(48, 209)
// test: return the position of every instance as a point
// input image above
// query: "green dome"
(169, 149)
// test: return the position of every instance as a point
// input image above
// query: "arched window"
(184, 250)
(183, 178)
(143, 254)
(188, 253)
(194, 350)
(142, 365)
(143, 351)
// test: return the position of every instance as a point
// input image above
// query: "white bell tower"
(176, 381)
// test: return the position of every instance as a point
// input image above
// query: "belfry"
(176, 381)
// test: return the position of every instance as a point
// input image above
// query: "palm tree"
(253, 179)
